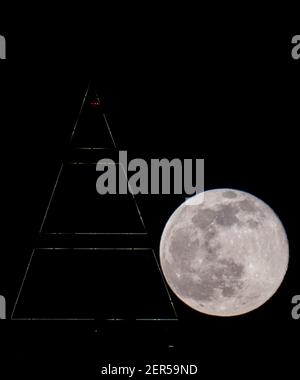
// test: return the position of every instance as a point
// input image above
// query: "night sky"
(169, 85)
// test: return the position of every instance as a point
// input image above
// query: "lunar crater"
(229, 194)
(204, 218)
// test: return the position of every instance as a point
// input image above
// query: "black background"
(174, 83)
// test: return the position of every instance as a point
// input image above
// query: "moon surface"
(224, 252)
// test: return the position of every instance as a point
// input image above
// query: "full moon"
(224, 252)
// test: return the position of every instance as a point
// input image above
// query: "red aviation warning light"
(94, 103)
